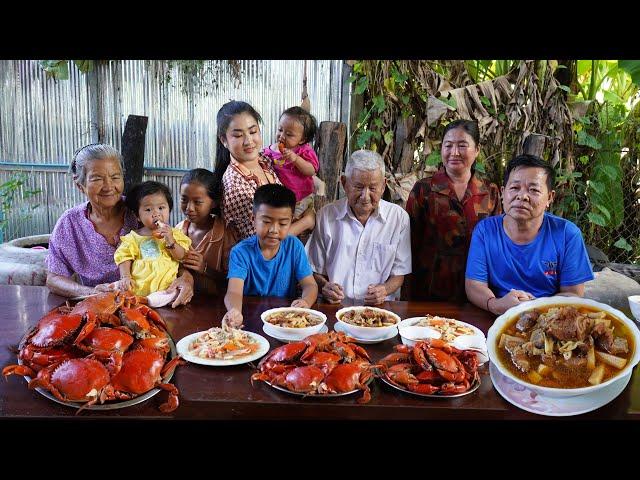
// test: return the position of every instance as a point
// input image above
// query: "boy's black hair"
(274, 195)
(526, 160)
(308, 121)
(141, 190)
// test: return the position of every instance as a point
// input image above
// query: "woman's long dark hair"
(223, 119)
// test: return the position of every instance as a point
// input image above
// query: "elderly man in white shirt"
(361, 247)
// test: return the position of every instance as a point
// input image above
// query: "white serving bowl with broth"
(366, 332)
(294, 333)
(493, 338)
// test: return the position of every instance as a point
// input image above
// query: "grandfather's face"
(364, 190)
(526, 196)
(103, 182)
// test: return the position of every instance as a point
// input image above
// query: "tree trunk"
(133, 150)
(403, 151)
(534, 145)
(332, 138)
(568, 76)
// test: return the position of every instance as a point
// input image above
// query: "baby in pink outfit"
(294, 160)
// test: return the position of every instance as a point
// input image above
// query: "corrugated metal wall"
(42, 121)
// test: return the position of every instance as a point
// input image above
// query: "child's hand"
(164, 230)
(106, 287)
(233, 318)
(300, 303)
(289, 156)
(195, 261)
(124, 284)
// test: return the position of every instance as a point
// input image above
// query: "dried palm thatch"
(421, 97)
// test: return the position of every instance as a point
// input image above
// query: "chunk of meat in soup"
(527, 320)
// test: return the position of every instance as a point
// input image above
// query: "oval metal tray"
(111, 405)
(317, 395)
(474, 386)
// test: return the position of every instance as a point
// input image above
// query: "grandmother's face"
(103, 183)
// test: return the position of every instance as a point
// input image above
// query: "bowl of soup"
(293, 322)
(367, 323)
(564, 346)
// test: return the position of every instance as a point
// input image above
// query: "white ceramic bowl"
(368, 333)
(290, 332)
(411, 334)
(634, 305)
(502, 320)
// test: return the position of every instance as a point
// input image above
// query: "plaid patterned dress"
(441, 227)
(237, 200)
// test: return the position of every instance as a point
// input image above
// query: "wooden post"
(332, 138)
(534, 145)
(133, 150)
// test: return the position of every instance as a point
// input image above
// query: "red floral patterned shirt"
(441, 227)
(237, 199)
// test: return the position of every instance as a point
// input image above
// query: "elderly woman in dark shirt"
(85, 237)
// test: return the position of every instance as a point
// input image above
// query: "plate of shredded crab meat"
(448, 328)
(222, 347)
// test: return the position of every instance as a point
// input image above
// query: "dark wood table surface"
(225, 393)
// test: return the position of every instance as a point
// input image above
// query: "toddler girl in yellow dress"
(148, 258)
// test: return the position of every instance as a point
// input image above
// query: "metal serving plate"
(111, 405)
(317, 395)
(474, 386)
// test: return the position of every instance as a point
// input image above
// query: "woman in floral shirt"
(443, 209)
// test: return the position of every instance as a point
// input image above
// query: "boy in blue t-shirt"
(271, 262)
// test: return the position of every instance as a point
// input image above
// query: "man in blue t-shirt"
(526, 252)
(271, 262)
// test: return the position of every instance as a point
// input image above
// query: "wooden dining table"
(226, 393)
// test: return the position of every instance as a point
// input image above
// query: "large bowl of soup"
(564, 346)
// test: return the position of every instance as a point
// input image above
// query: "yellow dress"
(153, 268)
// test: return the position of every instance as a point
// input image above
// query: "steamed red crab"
(431, 366)
(320, 364)
(109, 346)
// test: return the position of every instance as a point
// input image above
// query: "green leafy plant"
(15, 187)
(59, 69)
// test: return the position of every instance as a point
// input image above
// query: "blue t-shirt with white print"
(556, 257)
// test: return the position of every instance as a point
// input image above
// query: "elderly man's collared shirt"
(356, 256)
